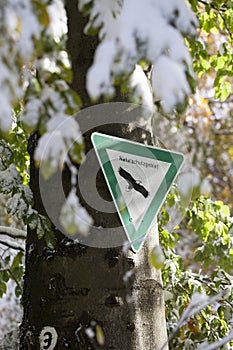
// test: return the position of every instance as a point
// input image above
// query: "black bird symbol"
(135, 184)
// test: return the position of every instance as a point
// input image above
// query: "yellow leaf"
(42, 13)
(156, 257)
(100, 335)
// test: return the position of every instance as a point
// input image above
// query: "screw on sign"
(48, 338)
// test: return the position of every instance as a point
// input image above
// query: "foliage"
(208, 117)
(126, 43)
(211, 222)
(20, 202)
(215, 18)
(11, 268)
(36, 85)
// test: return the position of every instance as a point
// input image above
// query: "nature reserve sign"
(139, 178)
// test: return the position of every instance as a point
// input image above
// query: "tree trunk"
(92, 297)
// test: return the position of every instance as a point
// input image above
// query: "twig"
(223, 9)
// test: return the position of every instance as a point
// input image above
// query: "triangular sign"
(138, 177)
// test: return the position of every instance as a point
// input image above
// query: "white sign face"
(130, 171)
(139, 178)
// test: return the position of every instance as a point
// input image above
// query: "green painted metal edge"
(101, 143)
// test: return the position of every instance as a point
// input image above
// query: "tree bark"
(94, 298)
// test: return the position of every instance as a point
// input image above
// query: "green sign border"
(101, 143)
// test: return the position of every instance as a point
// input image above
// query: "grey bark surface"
(78, 289)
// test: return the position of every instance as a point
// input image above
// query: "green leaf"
(3, 288)
(50, 239)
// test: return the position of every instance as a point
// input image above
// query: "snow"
(129, 31)
(13, 232)
(74, 218)
(99, 76)
(32, 112)
(169, 82)
(66, 125)
(20, 27)
(9, 178)
(102, 13)
(50, 153)
(215, 346)
(179, 14)
(151, 30)
(53, 146)
(197, 302)
(58, 19)
(10, 310)
(11, 242)
(5, 155)
(26, 26)
(89, 332)
(50, 99)
(16, 205)
(143, 92)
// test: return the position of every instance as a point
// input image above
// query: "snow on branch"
(10, 243)
(20, 27)
(150, 30)
(13, 232)
(53, 147)
(215, 346)
(197, 303)
(12, 237)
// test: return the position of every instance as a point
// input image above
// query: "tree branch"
(223, 9)
(13, 232)
(12, 245)
(224, 132)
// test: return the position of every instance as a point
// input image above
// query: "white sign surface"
(149, 177)
(139, 178)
